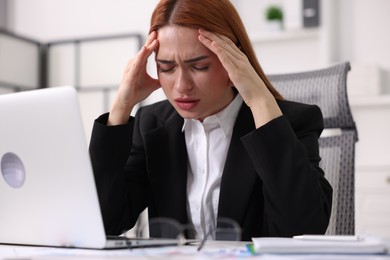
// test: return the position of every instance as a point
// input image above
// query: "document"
(320, 245)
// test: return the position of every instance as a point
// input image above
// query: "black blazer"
(272, 184)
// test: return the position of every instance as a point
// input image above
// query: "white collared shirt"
(207, 147)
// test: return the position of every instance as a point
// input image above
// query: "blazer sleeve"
(109, 148)
(285, 154)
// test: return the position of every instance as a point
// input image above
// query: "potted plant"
(274, 17)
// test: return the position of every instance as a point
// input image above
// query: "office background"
(109, 31)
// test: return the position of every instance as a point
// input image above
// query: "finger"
(150, 45)
(227, 59)
(215, 37)
(141, 58)
(148, 48)
(151, 37)
(224, 42)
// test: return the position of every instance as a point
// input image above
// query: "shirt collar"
(225, 117)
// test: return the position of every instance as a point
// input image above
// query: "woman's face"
(191, 76)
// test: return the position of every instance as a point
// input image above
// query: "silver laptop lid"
(47, 189)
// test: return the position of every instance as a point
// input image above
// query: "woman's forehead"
(180, 42)
(177, 34)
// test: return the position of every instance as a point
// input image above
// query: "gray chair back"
(327, 88)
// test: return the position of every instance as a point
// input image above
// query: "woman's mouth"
(186, 103)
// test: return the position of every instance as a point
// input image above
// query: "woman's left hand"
(243, 76)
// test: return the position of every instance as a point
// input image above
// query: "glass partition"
(94, 66)
(20, 63)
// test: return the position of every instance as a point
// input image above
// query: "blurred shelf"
(285, 35)
(370, 101)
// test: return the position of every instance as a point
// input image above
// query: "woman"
(223, 144)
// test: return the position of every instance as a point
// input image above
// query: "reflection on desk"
(212, 249)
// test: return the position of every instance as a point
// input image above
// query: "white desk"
(212, 250)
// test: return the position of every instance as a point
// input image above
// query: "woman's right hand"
(136, 84)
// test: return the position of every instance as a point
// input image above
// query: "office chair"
(327, 88)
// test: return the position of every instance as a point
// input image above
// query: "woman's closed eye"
(165, 69)
(201, 68)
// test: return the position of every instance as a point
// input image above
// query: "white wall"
(370, 39)
(358, 28)
(364, 39)
(48, 20)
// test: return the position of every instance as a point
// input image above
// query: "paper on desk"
(298, 246)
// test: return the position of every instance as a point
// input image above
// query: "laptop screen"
(47, 189)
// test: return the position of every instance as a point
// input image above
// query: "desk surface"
(212, 249)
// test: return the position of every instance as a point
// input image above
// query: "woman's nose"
(183, 82)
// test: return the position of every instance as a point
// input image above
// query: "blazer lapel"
(167, 163)
(239, 175)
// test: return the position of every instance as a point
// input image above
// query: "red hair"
(217, 16)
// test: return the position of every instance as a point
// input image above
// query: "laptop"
(47, 190)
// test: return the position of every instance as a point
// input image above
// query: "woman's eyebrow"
(196, 59)
(192, 60)
(165, 61)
